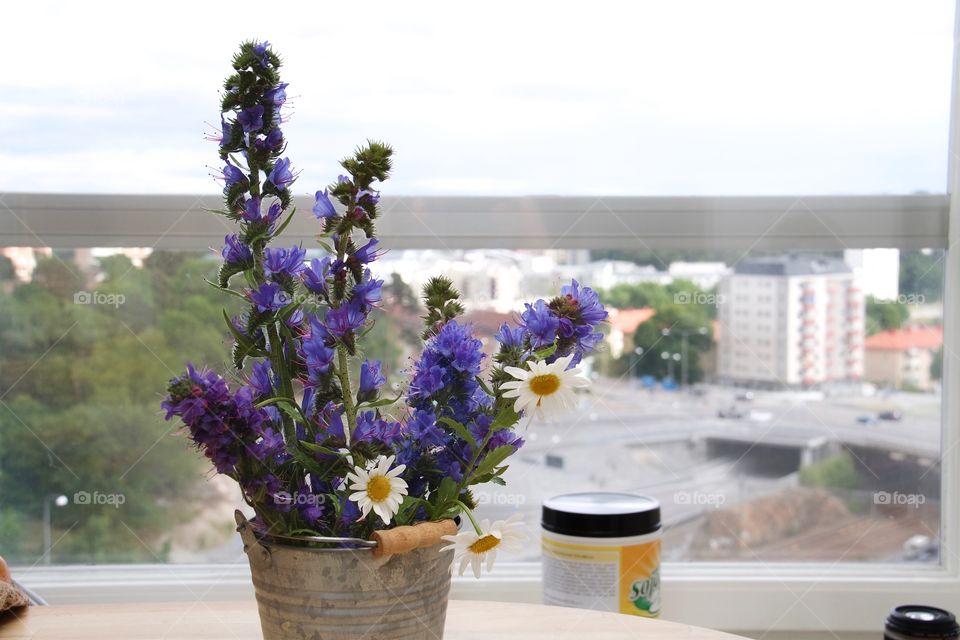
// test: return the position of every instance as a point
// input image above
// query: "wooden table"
(238, 621)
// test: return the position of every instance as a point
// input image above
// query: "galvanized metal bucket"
(306, 593)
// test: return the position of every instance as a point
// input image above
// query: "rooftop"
(791, 265)
(912, 337)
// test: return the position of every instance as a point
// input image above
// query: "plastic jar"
(917, 621)
(602, 551)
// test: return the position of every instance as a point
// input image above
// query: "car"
(746, 396)
(895, 416)
(731, 413)
(866, 420)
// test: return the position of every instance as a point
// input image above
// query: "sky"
(493, 98)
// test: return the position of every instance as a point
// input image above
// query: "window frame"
(757, 597)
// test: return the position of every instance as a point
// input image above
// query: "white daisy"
(378, 488)
(545, 388)
(470, 547)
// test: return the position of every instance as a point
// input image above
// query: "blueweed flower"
(281, 265)
(587, 301)
(268, 445)
(232, 175)
(541, 325)
(323, 207)
(277, 95)
(282, 175)
(262, 378)
(578, 312)
(235, 252)
(317, 351)
(330, 420)
(270, 142)
(368, 197)
(365, 254)
(371, 378)
(367, 293)
(251, 119)
(423, 428)
(222, 424)
(371, 428)
(260, 49)
(345, 319)
(251, 210)
(510, 337)
(315, 276)
(269, 297)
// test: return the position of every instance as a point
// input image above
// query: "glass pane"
(692, 98)
(779, 406)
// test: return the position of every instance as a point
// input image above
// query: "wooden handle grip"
(408, 538)
(4, 571)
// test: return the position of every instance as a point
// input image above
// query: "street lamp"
(684, 349)
(60, 501)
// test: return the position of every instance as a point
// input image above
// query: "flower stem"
(343, 372)
(473, 521)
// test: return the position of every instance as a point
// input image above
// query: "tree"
(921, 274)
(884, 315)
(681, 325)
(936, 364)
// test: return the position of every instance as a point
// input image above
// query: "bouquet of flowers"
(316, 445)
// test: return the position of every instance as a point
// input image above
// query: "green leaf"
(505, 419)
(230, 291)
(240, 337)
(319, 448)
(459, 429)
(546, 352)
(382, 402)
(283, 225)
(484, 386)
(490, 462)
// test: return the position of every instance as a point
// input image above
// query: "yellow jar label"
(609, 578)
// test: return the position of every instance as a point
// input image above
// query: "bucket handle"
(259, 555)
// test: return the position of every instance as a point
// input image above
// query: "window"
(636, 128)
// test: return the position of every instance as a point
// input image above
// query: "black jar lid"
(601, 515)
(921, 621)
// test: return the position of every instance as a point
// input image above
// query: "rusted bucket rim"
(298, 541)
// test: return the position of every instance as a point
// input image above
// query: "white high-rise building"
(790, 321)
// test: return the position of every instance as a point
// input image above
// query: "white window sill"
(743, 598)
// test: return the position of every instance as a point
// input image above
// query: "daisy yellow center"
(484, 544)
(378, 488)
(545, 385)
